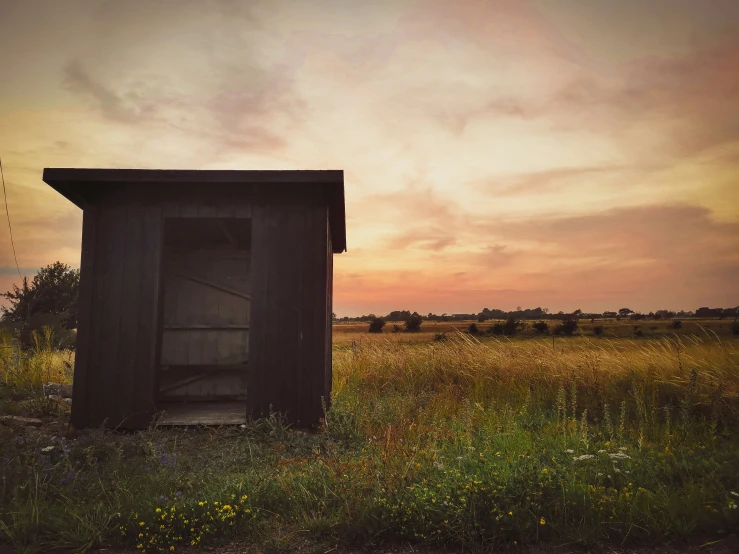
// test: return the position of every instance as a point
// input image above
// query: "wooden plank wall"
(328, 372)
(289, 289)
(119, 292)
(119, 335)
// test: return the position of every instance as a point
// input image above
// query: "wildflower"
(159, 510)
(542, 521)
(619, 456)
(141, 523)
(569, 451)
(583, 457)
(510, 513)
(732, 493)
(47, 449)
(601, 451)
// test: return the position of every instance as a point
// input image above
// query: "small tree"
(676, 324)
(541, 327)
(49, 300)
(598, 330)
(567, 327)
(510, 326)
(413, 323)
(497, 328)
(376, 325)
(473, 329)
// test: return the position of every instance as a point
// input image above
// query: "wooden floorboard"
(203, 413)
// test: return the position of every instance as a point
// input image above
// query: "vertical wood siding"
(119, 295)
(288, 339)
(121, 306)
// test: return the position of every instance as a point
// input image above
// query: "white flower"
(733, 506)
(599, 474)
(617, 470)
(623, 448)
(619, 456)
(569, 451)
(734, 493)
(243, 426)
(583, 457)
(47, 449)
(601, 451)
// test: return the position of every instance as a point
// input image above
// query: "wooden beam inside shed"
(214, 285)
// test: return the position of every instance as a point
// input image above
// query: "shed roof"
(74, 184)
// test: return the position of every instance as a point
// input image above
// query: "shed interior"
(205, 320)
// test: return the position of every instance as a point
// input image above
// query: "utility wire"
(7, 213)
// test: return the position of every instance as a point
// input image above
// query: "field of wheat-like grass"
(464, 442)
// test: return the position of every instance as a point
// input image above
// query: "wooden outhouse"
(205, 296)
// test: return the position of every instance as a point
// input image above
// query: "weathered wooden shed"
(205, 296)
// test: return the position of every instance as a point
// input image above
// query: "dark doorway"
(205, 320)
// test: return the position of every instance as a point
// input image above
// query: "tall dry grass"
(25, 372)
(670, 372)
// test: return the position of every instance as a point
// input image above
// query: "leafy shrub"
(413, 323)
(676, 324)
(510, 326)
(472, 329)
(598, 330)
(541, 327)
(397, 328)
(567, 327)
(376, 325)
(440, 337)
(497, 328)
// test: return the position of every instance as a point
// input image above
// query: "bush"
(510, 326)
(567, 327)
(598, 330)
(497, 329)
(397, 328)
(413, 323)
(376, 325)
(676, 324)
(440, 337)
(541, 327)
(473, 330)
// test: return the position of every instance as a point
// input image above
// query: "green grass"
(460, 443)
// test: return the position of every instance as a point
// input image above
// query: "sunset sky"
(556, 153)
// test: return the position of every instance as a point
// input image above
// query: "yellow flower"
(141, 523)
(159, 510)
(171, 548)
(510, 513)
(200, 503)
(542, 521)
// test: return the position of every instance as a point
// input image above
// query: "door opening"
(205, 320)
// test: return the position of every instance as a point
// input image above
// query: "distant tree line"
(544, 314)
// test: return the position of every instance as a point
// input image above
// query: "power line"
(7, 213)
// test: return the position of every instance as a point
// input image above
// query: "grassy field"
(467, 442)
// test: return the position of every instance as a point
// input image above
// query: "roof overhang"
(75, 185)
